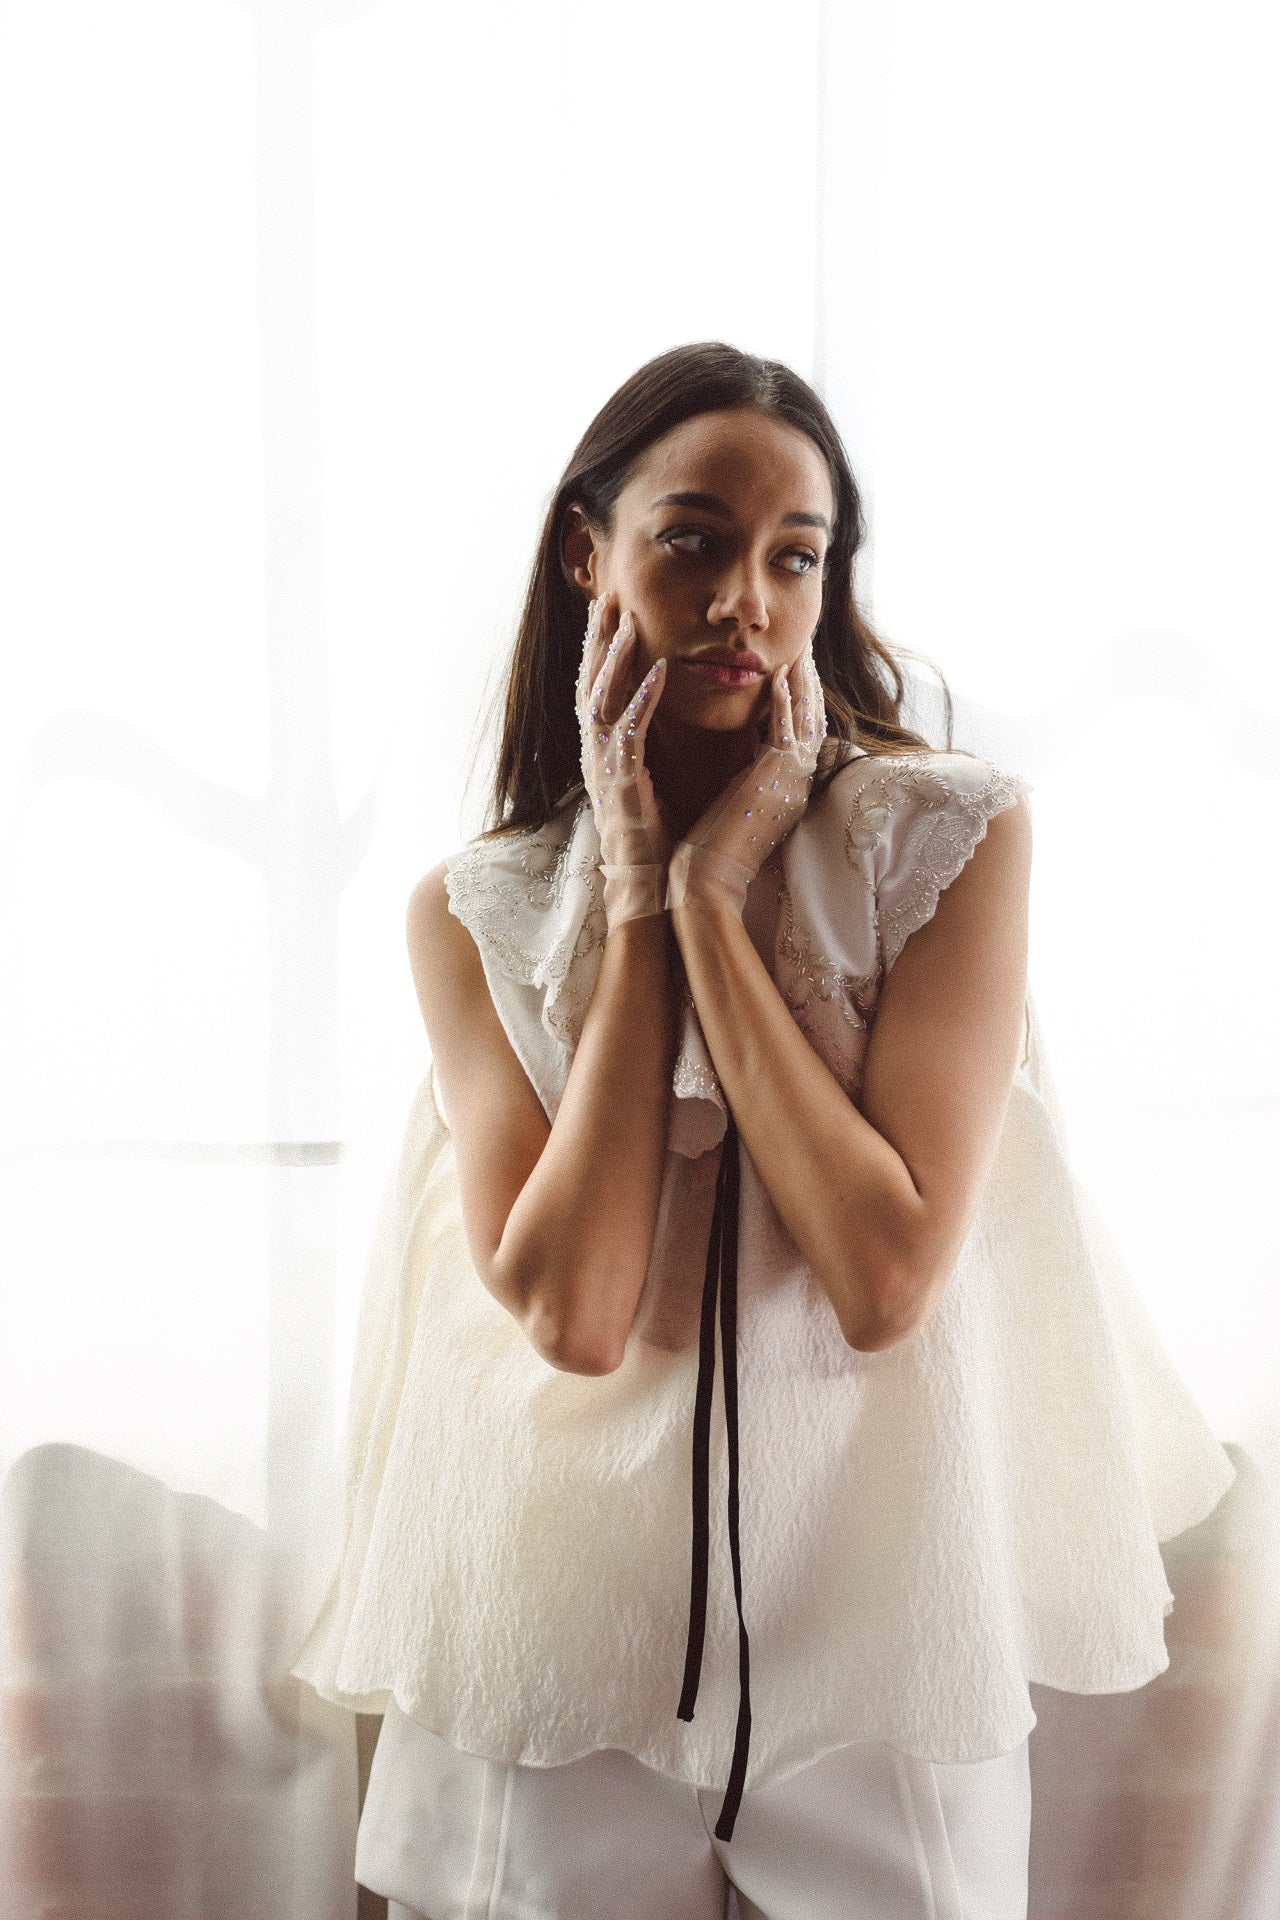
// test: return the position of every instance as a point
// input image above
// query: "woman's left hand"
(719, 857)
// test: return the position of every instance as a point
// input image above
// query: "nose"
(740, 597)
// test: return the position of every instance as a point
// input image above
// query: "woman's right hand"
(613, 718)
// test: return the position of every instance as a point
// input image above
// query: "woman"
(728, 1018)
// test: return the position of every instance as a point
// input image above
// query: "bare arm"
(559, 1218)
(879, 1199)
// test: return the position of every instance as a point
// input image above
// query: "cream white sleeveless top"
(924, 1529)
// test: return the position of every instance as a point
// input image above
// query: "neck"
(690, 765)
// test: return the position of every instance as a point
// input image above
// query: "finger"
(783, 724)
(589, 666)
(819, 706)
(601, 621)
(806, 697)
(807, 719)
(580, 684)
(608, 644)
(615, 671)
(640, 707)
(622, 730)
(775, 709)
(597, 613)
(796, 689)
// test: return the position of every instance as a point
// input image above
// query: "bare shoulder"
(942, 1053)
(980, 917)
(993, 882)
(1004, 849)
(1011, 827)
(428, 913)
(447, 970)
(432, 930)
(494, 1114)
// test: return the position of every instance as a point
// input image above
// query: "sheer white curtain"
(305, 306)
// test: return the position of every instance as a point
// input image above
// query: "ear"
(581, 555)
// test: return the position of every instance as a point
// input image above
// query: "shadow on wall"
(161, 1764)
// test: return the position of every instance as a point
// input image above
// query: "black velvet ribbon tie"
(720, 1284)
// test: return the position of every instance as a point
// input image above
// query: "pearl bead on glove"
(634, 842)
(715, 863)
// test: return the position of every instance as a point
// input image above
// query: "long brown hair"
(538, 767)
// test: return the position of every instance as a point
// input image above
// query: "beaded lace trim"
(956, 820)
(493, 885)
(692, 1079)
(491, 901)
(810, 973)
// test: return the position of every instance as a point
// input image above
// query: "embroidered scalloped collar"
(535, 901)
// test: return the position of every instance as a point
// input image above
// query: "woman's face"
(718, 544)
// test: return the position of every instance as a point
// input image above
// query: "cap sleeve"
(930, 811)
(532, 903)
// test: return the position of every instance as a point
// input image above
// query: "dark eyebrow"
(708, 503)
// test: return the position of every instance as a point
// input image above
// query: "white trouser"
(865, 1833)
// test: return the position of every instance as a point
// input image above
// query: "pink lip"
(720, 675)
(734, 657)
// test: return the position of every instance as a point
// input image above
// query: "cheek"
(638, 582)
(665, 598)
(656, 577)
(798, 613)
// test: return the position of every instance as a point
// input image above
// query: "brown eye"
(677, 534)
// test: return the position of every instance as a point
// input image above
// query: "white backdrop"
(304, 309)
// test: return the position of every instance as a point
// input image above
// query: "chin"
(704, 723)
(724, 712)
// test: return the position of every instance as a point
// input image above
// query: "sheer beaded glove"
(634, 842)
(715, 863)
